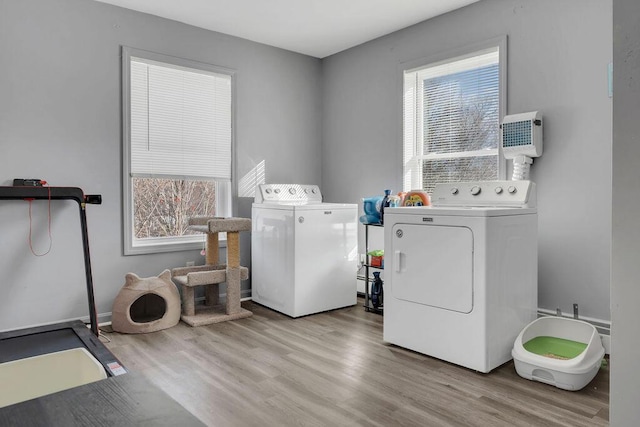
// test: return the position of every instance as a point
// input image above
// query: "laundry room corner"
(558, 64)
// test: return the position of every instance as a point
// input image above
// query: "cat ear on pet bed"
(165, 275)
(131, 278)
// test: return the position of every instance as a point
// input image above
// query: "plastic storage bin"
(562, 352)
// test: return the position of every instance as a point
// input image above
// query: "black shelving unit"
(368, 305)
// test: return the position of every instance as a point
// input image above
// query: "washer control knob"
(512, 189)
(454, 190)
(313, 190)
(306, 191)
(475, 190)
(498, 190)
(268, 191)
(277, 190)
(292, 190)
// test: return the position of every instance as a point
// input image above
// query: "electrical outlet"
(191, 263)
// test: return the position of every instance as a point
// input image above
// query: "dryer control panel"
(517, 194)
(288, 194)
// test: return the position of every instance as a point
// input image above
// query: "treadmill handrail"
(64, 193)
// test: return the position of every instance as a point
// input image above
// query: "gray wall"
(625, 268)
(558, 52)
(60, 121)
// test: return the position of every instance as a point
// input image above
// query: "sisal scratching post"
(212, 249)
(212, 292)
(213, 273)
(233, 272)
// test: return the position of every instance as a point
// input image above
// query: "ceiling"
(317, 28)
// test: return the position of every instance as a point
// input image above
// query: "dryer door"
(433, 265)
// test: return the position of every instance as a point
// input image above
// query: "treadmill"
(23, 343)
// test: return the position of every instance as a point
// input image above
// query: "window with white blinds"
(180, 121)
(177, 155)
(451, 118)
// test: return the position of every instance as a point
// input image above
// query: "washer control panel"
(288, 194)
(485, 194)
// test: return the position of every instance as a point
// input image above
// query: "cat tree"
(213, 273)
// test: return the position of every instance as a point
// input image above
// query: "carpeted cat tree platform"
(214, 273)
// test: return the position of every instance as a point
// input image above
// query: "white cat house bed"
(559, 351)
(214, 273)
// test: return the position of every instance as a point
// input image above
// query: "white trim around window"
(412, 128)
(222, 172)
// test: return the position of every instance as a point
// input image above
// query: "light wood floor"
(332, 369)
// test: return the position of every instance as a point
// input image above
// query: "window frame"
(411, 160)
(224, 193)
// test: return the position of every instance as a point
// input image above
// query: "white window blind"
(180, 122)
(177, 149)
(451, 120)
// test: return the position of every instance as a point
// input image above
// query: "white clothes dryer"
(462, 274)
(303, 251)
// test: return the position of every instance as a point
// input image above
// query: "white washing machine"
(303, 251)
(462, 274)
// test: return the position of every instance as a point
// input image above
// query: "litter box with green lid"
(562, 352)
